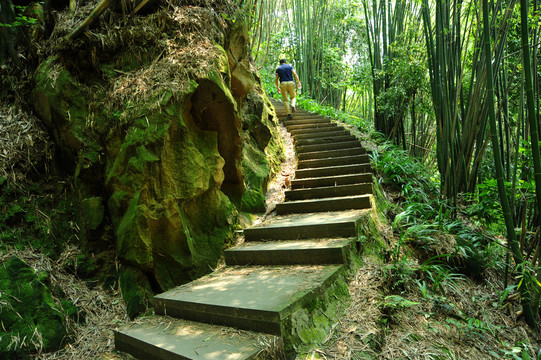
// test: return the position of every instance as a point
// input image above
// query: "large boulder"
(166, 149)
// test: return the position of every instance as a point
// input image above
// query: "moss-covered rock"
(256, 171)
(166, 150)
(310, 325)
(29, 315)
(263, 151)
(136, 290)
(62, 104)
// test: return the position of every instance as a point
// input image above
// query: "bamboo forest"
(257, 179)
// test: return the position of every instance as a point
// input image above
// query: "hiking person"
(285, 74)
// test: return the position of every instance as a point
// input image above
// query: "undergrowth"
(442, 286)
(38, 215)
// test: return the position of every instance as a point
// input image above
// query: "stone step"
(322, 205)
(331, 153)
(316, 131)
(337, 161)
(306, 226)
(333, 170)
(301, 115)
(329, 192)
(323, 126)
(325, 140)
(313, 251)
(331, 146)
(256, 298)
(331, 181)
(166, 338)
(337, 131)
(307, 121)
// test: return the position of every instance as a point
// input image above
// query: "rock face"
(167, 144)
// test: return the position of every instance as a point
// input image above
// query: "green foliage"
(400, 270)
(20, 18)
(407, 175)
(309, 104)
(397, 302)
(36, 218)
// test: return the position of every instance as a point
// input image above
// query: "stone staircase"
(288, 277)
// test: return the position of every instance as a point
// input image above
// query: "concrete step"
(329, 192)
(331, 153)
(302, 115)
(306, 226)
(331, 181)
(325, 140)
(331, 146)
(313, 251)
(321, 205)
(256, 298)
(315, 131)
(321, 134)
(330, 161)
(307, 121)
(332, 170)
(166, 338)
(322, 126)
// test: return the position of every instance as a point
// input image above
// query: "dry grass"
(430, 329)
(173, 46)
(23, 144)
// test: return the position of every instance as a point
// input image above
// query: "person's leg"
(291, 91)
(285, 98)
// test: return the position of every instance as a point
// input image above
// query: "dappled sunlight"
(260, 288)
(315, 218)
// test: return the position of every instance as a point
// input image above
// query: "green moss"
(92, 212)
(136, 291)
(62, 105)
(82, 266)
(28, 310)
(310, 325)
(32, 216)
(209, 223)
(369, 227)
(69, 309)
(133, 244)
(256, 175)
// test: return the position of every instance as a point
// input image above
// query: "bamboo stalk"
(96, 13)
(511, 235)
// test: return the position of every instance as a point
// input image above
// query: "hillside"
(132, 153)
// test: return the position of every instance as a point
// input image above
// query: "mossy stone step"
(333, 161)
(331, 181)
(166, 338)
(257, 298)
(324, 154)
(332, 146)
(312, 251)
(323, 205)
(306, 226)
(322, 126)
(337, 131)
(329, 191)
(325, 140)
(333, 170)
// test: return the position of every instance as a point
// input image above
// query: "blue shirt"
(284, 72)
